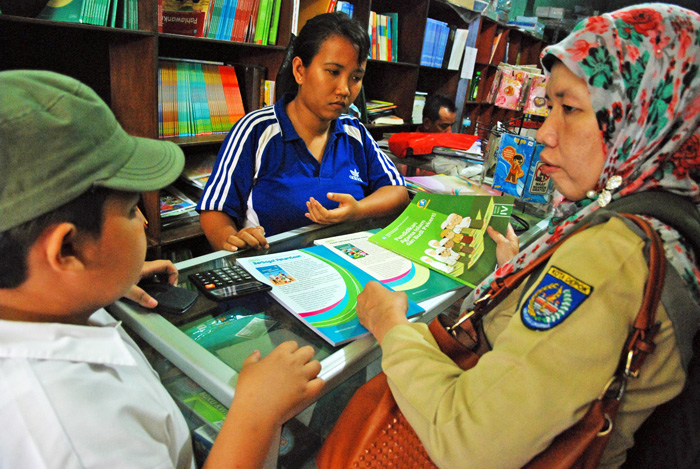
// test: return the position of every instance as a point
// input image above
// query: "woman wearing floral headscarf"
(624, 97)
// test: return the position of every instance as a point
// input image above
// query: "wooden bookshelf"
(398, 81)
(122, 67)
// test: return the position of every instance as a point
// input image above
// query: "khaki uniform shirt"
(534, 384)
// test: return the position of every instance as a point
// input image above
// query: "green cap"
(58, 139)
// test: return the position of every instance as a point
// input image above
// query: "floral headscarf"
(641, 65)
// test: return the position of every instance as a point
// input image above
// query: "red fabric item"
(421, 143)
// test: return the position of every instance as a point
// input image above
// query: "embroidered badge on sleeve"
(554, 299)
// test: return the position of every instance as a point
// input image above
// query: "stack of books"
(197, 98)
(382, 113)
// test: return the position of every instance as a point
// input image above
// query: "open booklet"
(396, 272)
(318, 287)
(447, 233)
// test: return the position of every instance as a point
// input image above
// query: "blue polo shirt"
(264, 173)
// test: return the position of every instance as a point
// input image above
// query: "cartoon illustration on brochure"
(461, 242)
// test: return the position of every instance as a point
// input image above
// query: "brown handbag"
(372, 431)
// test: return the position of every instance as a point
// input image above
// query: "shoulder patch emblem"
(554, 299)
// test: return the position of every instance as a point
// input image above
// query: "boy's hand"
(380, 309)
(276, 388)
(149, 269)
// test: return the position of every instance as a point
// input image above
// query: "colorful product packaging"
(509, 89)
(537, 185)
(510, 94)
(536, 103)
(513, 163)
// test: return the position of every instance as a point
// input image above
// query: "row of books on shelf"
(253, 21)
(383, 31)
(113, 13)
(198, 98)
(443, 45)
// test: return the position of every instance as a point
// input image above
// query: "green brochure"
(447, 233)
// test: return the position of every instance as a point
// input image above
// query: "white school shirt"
(84, 396)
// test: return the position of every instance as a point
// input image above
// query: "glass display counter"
(211, 340)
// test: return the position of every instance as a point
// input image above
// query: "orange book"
(496, 41)
(389, 38)
(241, 20)
(310, 8)
(232, 93)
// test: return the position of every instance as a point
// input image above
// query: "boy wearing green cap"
(75, 391)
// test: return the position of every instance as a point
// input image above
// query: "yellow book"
(310, 8)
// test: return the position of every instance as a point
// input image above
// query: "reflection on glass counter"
(236, 328)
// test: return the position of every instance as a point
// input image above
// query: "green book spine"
(215, 18)
(263, 8)
(97, 12)
(203, 124)
(134, 14)
(90, 8)
(126, 14)
(268, 20)
(262, 29)
(101, 16)
(113, 14)
(274, 24)
(183, 100)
